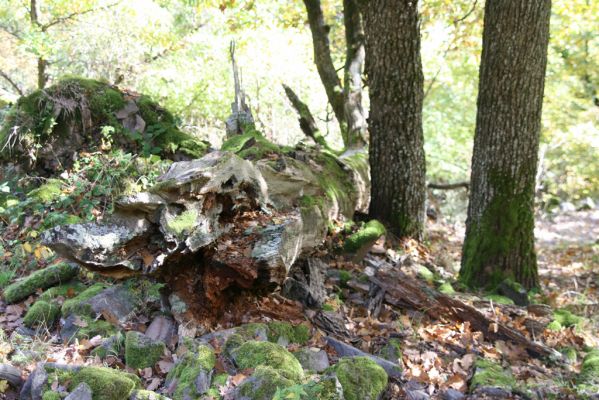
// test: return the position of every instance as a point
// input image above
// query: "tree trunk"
(42, 63)
(395, 80)
(499, 241)
(352, 82)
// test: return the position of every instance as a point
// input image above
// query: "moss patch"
(589, 372)
(490, 374)
(566, 318)
(251, 145)
(189, 367)
(183, 222)
(446, 288)
(285, 331)
(111, 346)
(141, 351)
(41, 279)
(365, 236)
(66, 290)
(106, 383)
(48, 192)
(361, 378)
(251, 354)
(264, 383)
(498, 299)
(41, 314)
(426, 274)
(77, 305)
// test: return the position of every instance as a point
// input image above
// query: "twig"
(12, 83)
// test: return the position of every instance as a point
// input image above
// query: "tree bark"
(324, 61)
(395, 79)
(499, 241)
(355, 136)
(306, 120)
(42, 64)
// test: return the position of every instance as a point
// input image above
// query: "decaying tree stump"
(218, 224)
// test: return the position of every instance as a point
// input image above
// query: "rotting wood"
(404, 291)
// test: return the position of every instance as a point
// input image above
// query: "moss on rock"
(106, 383)
(48, 192)
(446, 288)
(188, 368)
(78, 305)
(69, 289)
(589, 372)
(41, 314)
(566, 318)
(252, 354)
(365, 236)
(361, 378)
(490, 374)
(498, 299)
(146, 395)
(51, 395)
(287, 332)
(111, 346)
(141, 351)
(40, 279)
(264, 383)
(251, 145)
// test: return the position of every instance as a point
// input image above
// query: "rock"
(312, 359)
(391, 351)
(81, 392)
(142, 351)
(585, 204)
(106, 383)
(41, 314)
(361, 378)
(41, 279)
(306, 283)
(488, 374)
(284, 333)
(105, 247)
(115, 303)
(111, 346)
(359, 242)
(540, 310)
(415, 390)
(79, 304)
(162, 329)
(566, 206)
(34, 386)
(146, 395)
(262, 385)
(192, 374)
(514, 291)
(344, 350)
(452, 394)
(252, 354)
(79, 327)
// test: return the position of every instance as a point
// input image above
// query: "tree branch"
(306, 120)
(73, 15)
(12, 83)
(449, 186)
(324, 61)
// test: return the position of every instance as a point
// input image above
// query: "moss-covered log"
(44, 131)
(232, 220)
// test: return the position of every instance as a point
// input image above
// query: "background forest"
(178, 53)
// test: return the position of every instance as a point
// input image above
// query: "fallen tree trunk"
(411, 294)
(218, 224)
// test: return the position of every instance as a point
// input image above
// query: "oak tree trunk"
(499, 241)
(395, 81)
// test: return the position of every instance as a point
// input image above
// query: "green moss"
(365, 236)
(172, 140)
(94, 328)
(503, 233)
(490, 374)
(392, 350)
(361, 378)
(78, 305)
(253, 353)
(252, 331)
(183, 222)
(570, 354)
(498, 299)
(146, 395)
(344, 277)
(48, 192)
(111, 346)
(293, 334)
(426, 274)
(141, 351)
(41, 314)
(251, 145)
(106, 383)
(51, 395)
(566, 318)
(40, 279)
(189, 367)
(65, 290)
(554, 326)
(446, 288)
(264, 383)
(589, 372)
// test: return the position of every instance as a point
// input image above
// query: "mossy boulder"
(41, 314)
(364, 237)
(284, 333)
(491, 374)
(191, 376)
(141, 351)
(85, 327)
(41, 279)
(252, 354)
(78, 305)
(67, 290)
(263, 384)
(83, 114)
(48, 192)
(106, 383)
(361, 378)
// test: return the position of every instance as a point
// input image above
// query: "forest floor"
(438, 356)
